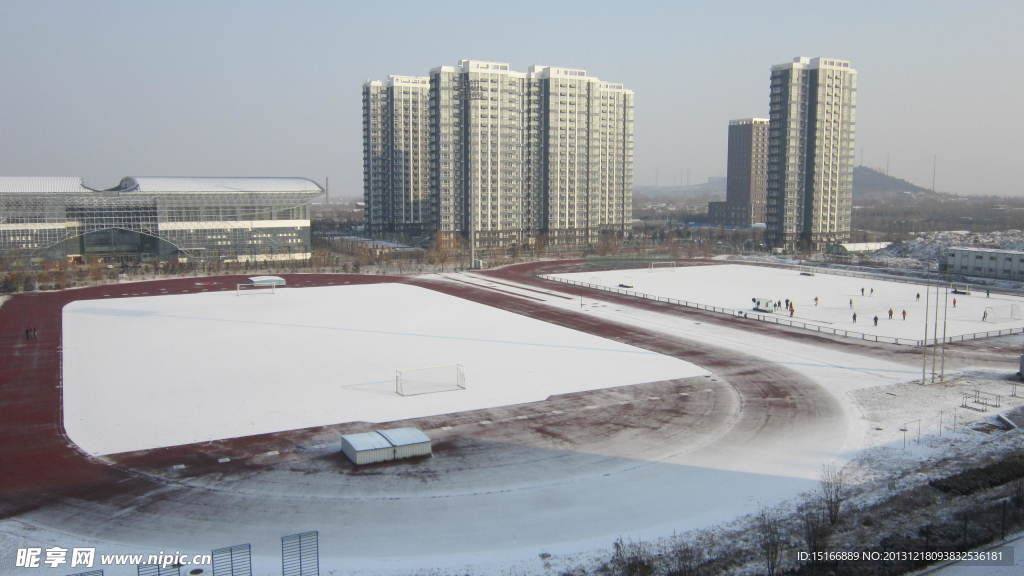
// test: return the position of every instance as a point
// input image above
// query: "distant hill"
(870, 184)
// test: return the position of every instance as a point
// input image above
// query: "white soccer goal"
(663, 264)
(247, 287)
(1006, 313)
(430, 380)
(961, 288)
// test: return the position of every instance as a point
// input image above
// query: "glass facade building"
(148, 219)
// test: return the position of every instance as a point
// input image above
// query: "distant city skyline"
(102, 89)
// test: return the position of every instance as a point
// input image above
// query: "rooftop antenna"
(327, 190)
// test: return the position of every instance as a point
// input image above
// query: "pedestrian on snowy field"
(988, 293)
(862, 291)
(854, 317)
(851, 303)
(890, 313)
(984, 316)
(954, 302)
(815, 300)
(904, 314)
(918, 296)
(876, 319)
(872, 291)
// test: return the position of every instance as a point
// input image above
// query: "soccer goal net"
(663, 264)
(430, 380)
(1005, 313)
(246, 288)
(961, 288)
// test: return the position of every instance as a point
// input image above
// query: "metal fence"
(773, 319)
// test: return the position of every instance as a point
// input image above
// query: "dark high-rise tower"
(747, 178)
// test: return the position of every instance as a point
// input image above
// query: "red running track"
(39, 463)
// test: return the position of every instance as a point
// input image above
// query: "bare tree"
(685, 560)
(815, 529)
(833, 490)
(769, 535)
(632, 559)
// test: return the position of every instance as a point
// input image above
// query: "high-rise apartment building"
(811, 137)
(396, 154)
(513, 156)
(747, 175)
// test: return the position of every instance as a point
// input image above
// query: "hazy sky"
(110, 89)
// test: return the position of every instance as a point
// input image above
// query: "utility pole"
(935, 334)
(945, 314)
(924, 343)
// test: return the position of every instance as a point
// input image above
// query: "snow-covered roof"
(267, 281)
(41, 185)
(366, 441)
(193, 185)
(986, 250)
(404, 436)
(864, 246)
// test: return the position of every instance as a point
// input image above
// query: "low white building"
(985, 262)
(408, 442)
(385, 445)
(367, 448)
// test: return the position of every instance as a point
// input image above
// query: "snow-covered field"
(161, 371)
(839, 298)
(147, 352)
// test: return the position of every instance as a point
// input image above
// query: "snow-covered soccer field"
(839, 298)
(160, 371)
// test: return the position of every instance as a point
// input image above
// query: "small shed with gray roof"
(385, 445)
(367, 448)
(408, 442)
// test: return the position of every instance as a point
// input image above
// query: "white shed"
(367, 448)
(408, 442)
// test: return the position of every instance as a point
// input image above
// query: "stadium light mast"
(924, 343)
(935, 334)
(945, 314)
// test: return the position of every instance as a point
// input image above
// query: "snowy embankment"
(930, 246)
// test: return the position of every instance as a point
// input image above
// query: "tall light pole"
(945, 314)
(935, 334)
(924, 343)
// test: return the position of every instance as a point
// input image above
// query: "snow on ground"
(161, 371)
(490, 532)
(839, 297)
(930, 246)
(838, 372)
(1016, 543)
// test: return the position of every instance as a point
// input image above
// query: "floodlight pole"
(945, 315)
(924, 360)
(935, 334)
